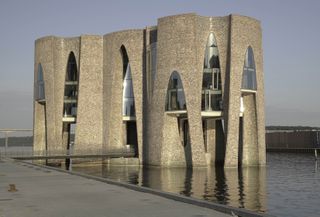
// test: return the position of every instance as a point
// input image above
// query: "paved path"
(44, 193)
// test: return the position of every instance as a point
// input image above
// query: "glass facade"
(71, 88)
(211, 84)
(40, 93)
(175, 94)
(128, 107)
(249, 81)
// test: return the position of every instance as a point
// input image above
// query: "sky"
(291, 35)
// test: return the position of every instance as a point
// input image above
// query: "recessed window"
(39, 92)
(125, 60)
(249, 81)
(128, 107)
(212, 55)
(71, 88)
(211, 83)
(175, 94)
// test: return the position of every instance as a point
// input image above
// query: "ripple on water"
(288, 186)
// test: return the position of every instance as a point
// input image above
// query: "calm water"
(288, 186)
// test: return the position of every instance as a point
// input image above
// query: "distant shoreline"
(16, 141)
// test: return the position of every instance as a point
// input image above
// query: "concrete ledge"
(233, 211)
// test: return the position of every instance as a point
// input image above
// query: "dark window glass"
(70, 109)
(71, 92)
(207, 80)
(185, 133)
(125, 60)
(71, 87)
(72, 71)
(249, 81)
(175, 94)
(216, 102)
(211, 84)
(39, 90)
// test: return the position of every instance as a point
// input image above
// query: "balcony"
(248, 91)
(128, 118)
(70, 99)
(211, 114)
(71, 83)
(41, 101)
(69, 119)
(177, 113)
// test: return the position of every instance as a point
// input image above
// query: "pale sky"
(291, 35)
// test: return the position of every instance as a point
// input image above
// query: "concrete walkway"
(43, 192)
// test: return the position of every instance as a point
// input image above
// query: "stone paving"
(44, 192)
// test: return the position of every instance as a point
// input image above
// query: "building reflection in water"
(245, 188)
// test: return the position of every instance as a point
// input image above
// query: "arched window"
(175, 94)
(125, 60)
(212, 54)
(211, 83)
(71, 87)
(128, 106)
(40, 93)
(72, 71)
(249, 81)
(128, 96)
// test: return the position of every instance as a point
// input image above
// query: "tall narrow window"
(128, 105)
(39, 90)
(71, 88)
(175, 94)
(249, 81)
(211, 84)
(128, 97)
(125, 60)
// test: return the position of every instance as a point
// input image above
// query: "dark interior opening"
(220, 143)
(132, 136)
(240, 151)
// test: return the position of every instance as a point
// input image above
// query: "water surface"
(288, 186)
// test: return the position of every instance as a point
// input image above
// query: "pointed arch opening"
(249, 81)
(211, 83)
(128, 104)
(70, 102)
(176, 107)
(71, 88)
(125, 60)
(40, 86)
(40, 140)
(248, 141)
(211, 103)
(175, 99)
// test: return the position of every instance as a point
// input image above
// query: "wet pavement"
(28, 190)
